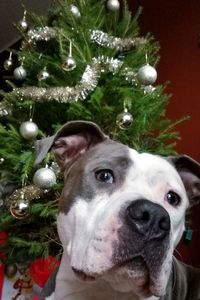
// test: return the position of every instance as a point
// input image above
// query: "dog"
(121, 215)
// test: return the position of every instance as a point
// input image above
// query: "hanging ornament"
(44, 178)
(8, 63)
(23, 23)
(5, 109)
(20, 208)
(69, 63)
(113, 5)
(147, 75)
(20, 73)
(75, 11)
(28, 130)
(124, 120)
(43, 74)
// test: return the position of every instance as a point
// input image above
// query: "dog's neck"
(70, 288)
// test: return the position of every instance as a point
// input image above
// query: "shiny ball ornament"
(20, 208)
(75, 11)
(8, 64)
(19, 73)
(44, 178)
(43, 74)
(28, 130)
(113, 5)
(23, 25)
(124, 120)
(69, 64)
(147, 75)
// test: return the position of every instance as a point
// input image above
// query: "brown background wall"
(176, 25)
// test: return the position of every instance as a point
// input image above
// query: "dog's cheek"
(64, 225)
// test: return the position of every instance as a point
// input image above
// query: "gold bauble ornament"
(20, 208)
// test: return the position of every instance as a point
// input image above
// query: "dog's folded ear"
(70, 141)
(189, 171)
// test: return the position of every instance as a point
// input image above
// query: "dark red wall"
(176, 25)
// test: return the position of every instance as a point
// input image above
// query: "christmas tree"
(83, 60)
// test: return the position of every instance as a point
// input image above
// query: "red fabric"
(3, 238)
(35, 298)
(41, 269)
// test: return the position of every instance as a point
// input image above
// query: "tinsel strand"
(68, 94)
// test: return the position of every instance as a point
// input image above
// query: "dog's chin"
(131, 275)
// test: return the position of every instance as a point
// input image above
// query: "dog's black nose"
(148, 218)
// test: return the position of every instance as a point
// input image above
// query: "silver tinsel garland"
(97, 36)
(120, 44)
(41, 34)
(80, 91)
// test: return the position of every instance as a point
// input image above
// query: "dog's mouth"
(133, 270)
(83, 276)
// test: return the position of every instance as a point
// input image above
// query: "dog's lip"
(83, 276)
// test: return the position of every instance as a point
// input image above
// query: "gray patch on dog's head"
(80, 181)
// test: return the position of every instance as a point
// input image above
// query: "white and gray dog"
(121, 215)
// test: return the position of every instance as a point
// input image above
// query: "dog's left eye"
(172, 198)
(105, 176)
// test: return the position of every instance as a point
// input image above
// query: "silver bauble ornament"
(43, 74)
(113, 5)
(8, 63)
(75, 11)
(23, 25)
(5, 110)
(19, 73)
(20, 208)
(69, 64)
(147, 75)
(28, 130)
(44, 178)
(124, 120)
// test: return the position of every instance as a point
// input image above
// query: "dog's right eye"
(105, 176)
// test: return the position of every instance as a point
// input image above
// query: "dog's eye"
(172, 198)
(105, 176)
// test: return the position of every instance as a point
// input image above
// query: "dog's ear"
(70, 141)
(189, 171)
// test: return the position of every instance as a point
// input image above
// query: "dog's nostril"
(145, 216)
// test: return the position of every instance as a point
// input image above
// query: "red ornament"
(42, 268)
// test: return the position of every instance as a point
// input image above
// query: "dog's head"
(121, 213)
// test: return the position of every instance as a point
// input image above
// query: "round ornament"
(69, 64)
(8, 63)
(10, 270)
(113, 5)
(23, 23)
(43, 74)
(28, 130)
(20, 73)
(44, 178)
(75, 11)
(20, 208)
(147, 75)
(124, 120)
